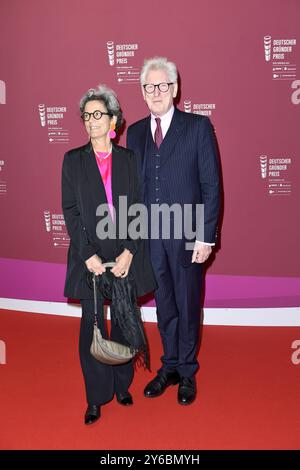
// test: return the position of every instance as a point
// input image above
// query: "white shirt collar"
(165, 121)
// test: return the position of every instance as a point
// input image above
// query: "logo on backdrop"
(52, 118)
(2, 92)
(281, 53)
(277, 173)
(267, 47)
(187, 106)
(47, 220)
(205, 109)
(295, 358)
(3, 184)
(42, 112)
(124, 58)
(295, 98)
(263, 165)
(111, 52)
(55, 225)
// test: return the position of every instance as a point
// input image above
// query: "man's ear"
(143, 92)
(175, 90)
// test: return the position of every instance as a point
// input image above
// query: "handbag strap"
(95, 299)
(109, 264)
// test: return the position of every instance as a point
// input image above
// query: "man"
(178, 161)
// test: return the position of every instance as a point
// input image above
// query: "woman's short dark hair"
(108, 97)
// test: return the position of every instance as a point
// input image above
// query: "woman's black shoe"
(124, 399)
(92, 414)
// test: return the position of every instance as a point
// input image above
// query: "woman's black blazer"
(82, 192)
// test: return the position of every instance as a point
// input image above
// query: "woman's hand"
(123, 263)
(95, 265)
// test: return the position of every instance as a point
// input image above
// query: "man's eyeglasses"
(163, 87)
(96, 115)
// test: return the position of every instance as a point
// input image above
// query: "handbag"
(105, 350)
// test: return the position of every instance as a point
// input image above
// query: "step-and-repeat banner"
(239, 64)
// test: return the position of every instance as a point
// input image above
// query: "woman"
(99, 173)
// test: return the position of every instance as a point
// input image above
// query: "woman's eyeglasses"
(96, 115)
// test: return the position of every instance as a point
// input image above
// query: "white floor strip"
(212, 316)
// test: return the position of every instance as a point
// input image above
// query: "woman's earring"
(112, 134)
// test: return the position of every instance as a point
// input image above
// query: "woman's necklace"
(103, 155)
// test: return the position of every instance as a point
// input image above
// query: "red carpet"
(248, 392)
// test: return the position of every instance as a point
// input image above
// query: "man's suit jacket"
(189, 168)
(82, 192)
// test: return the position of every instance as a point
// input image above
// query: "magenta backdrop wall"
(239, 64)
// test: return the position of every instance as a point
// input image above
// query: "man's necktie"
(158, 137)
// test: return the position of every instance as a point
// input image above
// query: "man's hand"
(123, 261)
(201, 252)
(95, 265)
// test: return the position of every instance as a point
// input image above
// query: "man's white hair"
(159, 63)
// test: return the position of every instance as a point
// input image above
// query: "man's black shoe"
(158, 385)
(186, 390)
(92, 414)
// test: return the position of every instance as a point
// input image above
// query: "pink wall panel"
(238, 62)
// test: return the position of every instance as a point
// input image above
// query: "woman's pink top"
(104, 162)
